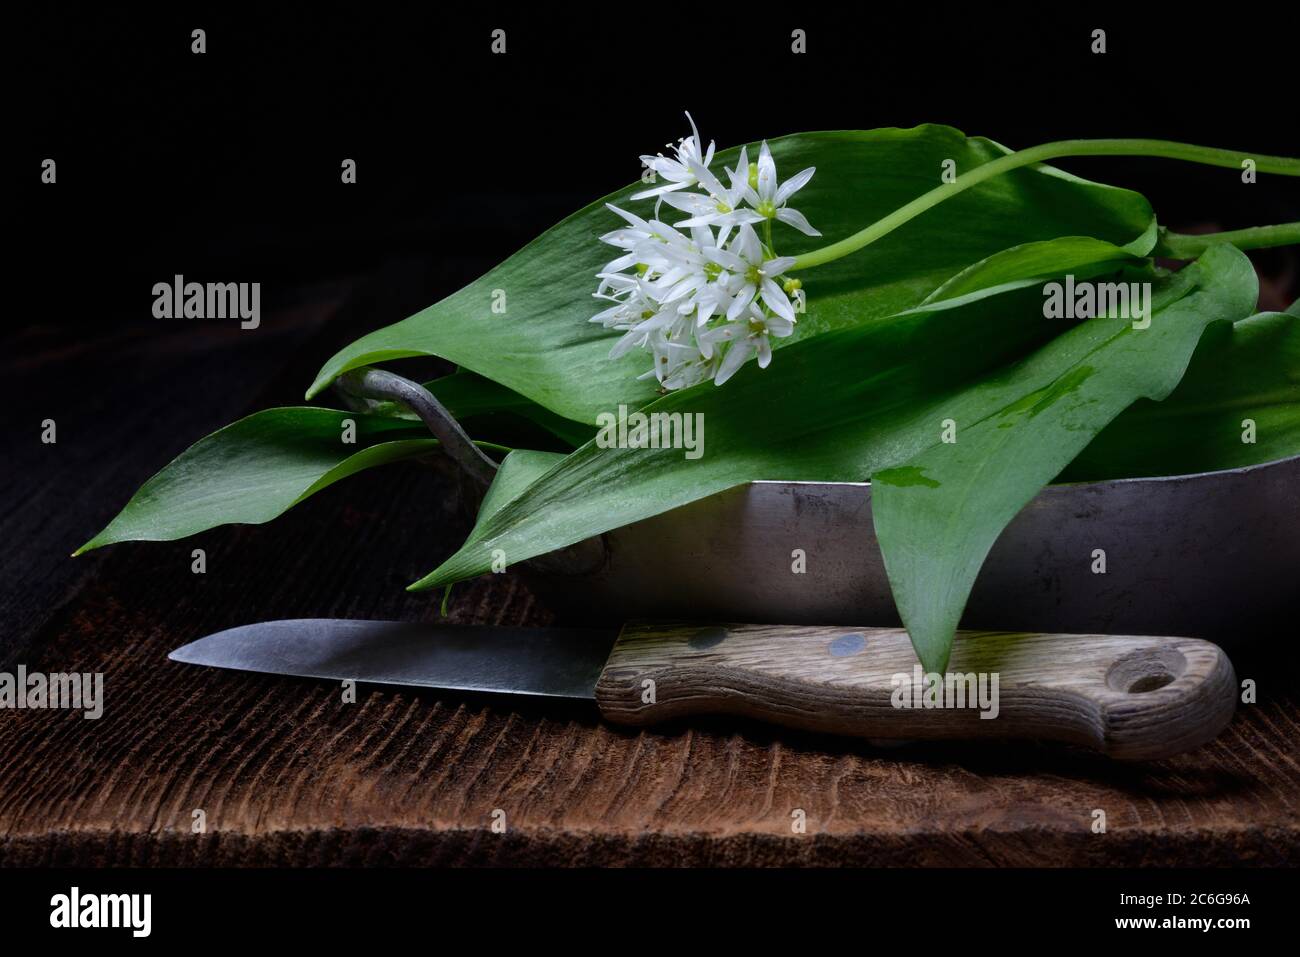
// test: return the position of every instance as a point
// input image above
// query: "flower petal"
(766, 174)
(740, 175)
(747, 246)
(707, 180)
(659, 190)
(796, 219)
(733, 360)
(627, 344)
(776, 300)
(795, 183)
(728, 260)
(743, 298)
(695, 132)
(690, 202)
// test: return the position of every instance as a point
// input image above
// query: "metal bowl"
(1213, 555)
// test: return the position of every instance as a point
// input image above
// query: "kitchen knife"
(1129, 697)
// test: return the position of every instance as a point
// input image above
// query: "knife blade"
(1131, 697)
(546, 662)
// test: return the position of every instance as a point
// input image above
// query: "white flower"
(749, 336)
(753, 276)
(769, 199)
(672, 256)
(644, 242)
(632, 298)
(629, 237)
(679, 366)
(721, 207)
(654, 333)
(692, 279)
(676, 358)
(705, 296)
(678, 170)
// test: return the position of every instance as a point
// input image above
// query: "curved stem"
(378, 384)
(1039, 154)
(1189, 246)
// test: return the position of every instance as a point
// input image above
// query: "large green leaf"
(543, 347)
(1249, 370)
(938, 514)
(257, 468)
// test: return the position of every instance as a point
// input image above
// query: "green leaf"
(1053, 257)
(257, 468)
(938, 514)
(544, 348)
(520, 469)
(1247, 370)
(837, 407)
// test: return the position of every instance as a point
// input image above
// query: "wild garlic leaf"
(1238, 405)
(938, 512)
(258, 468)
(1051, 257)
(540, 344)
(520, 469)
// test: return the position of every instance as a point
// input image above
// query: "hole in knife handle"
(1146, 670)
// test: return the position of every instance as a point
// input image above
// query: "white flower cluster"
(706, 293)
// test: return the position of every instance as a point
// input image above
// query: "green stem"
(1039, 154)
(1187, 246)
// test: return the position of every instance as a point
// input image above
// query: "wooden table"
(286, 773)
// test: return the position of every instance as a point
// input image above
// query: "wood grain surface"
(1129, 697)
(287, 773)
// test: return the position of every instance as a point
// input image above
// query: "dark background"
(226, 165)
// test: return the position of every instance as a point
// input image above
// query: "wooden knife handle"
(1129, 697)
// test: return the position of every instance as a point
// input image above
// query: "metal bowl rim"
(1153, 479)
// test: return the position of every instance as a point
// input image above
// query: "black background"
(706, 911)
(226, 166)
